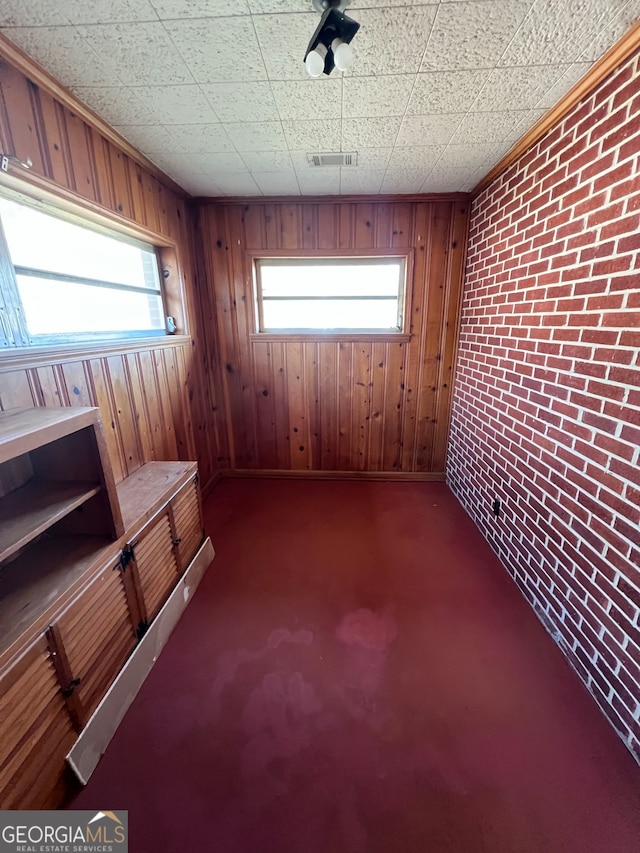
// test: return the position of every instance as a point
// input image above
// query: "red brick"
(561, 441)
(622, 319)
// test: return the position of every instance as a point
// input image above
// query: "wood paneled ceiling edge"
(614, 57)
(41, 78)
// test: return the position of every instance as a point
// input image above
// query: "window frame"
(65, 205)
(404, 301)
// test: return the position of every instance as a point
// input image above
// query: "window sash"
(14, 331)
(399, 262)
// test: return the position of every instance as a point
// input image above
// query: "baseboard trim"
(207, 488)
(287, 474)
(87, 751)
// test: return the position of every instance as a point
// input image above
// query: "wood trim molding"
(30, 185)
(614, 57)
(321, 337)
(32, 357)
(38, 75)
(292, 474)
(331, 199)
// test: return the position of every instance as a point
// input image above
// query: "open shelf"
(31, 510)
(49, 571)
(23, 430)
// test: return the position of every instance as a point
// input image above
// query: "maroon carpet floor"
(358, 673)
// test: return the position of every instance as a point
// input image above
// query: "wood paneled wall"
(141, 394)
(359, 405)
(153, 401)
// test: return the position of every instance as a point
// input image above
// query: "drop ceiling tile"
(435, 129)
(257, 136)
(185, 173)
(559, 32)
(277, 183)
(242, 101)
(369, 132)
(373, 158)
(374, 4)
(66, 55)
(487, 127)
(445, 91)
(319, 181)
(117, 105)
(526, 122)
(199, 138)
(208, 163)
(149, 138)
(453, 174)
(415, 159)
(143, 52)
(443, 181)
(308, 99)
(572, 74)
(360, 181)
(520, 87)
(18, 13)
(170, 9)
(391, 41)
(177, 104)
(465, 156)
(612, 31)
(218, 49)
(313, 135)
(237, 184)
(204, 186)
(473, 34)
(267, 161)
(376, 96)
(396, 181)
(283, 41)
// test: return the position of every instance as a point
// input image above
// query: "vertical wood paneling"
(150, 400)
(364, 405)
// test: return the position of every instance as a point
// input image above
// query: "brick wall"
(546, 411)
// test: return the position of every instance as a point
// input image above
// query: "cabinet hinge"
(142, 629)
(196, 479)
(176, 542)
(71, 686)
(126, 556)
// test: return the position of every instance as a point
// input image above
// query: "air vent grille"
(339, 159)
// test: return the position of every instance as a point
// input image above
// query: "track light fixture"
(330, 46)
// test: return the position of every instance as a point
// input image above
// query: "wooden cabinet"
(186, 517)
(58, 510)
(96, 633)
(155, 562)
(85, 567)
(37, 731)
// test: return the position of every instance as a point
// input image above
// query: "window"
(330, 294)
(66, 282)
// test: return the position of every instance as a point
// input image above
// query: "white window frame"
(301, 258)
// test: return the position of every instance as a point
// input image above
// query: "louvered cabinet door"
(185, 510)
(155, 560)
(97, 633)
(35, 732)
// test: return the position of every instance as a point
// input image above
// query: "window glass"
(74, 283)
(331, 294)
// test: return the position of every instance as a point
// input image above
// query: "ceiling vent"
(340, 159)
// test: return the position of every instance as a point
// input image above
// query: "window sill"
(17, 357)
(330, 337)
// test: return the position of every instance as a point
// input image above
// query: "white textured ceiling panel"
(215, 91)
